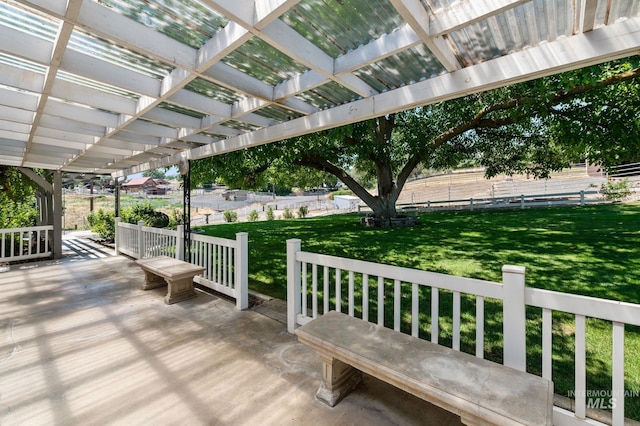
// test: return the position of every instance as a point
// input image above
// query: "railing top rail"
(161, 231)
(510, 197)
(27, 229)
(610, 310)
(408, 275)
(225, 242)
(127, 225)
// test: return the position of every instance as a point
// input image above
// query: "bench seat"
(177, 274)
(481, 392)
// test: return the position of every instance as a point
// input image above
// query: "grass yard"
(593, 251)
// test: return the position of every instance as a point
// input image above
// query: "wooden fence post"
(514, 320)
(242, 270)
(294, 297)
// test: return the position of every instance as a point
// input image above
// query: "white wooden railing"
(225, 260)
(317, 283)
(33, 242)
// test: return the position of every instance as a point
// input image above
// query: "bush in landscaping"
(230, 216)
(288, 214)
(270, 215)
(145, 212)
(616, 189)
(253, 216)
(303, 211)
(103, 224)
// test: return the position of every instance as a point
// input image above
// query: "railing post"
(116, 234)
(514, 317)
(522, 201)
(140, 240)
(293, 283)
(180, 243)
(582, 198)
(471, 203)
(242, 270)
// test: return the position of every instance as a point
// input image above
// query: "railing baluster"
(547, 343)
(415, 309)
(397, 296)
(325, 290)
(580, 367)
(365, 297)
(380, 300)
(351, 293)
(435, 312)
(338, 291)
(480, 326)
(314, 283)
(304, 289)
(618, 373)
(456, 320)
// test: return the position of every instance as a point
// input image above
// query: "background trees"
(535, 128)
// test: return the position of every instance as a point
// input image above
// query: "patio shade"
(123, 86)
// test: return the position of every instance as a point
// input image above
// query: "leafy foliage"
(288, 214)
(146, 213)
(616, 189)
(230, 216)
(303, 211)
(253, 216)
(533, 128)
(103, 224)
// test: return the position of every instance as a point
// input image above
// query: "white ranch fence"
(225, 260)
(317, 283)
(18, 244)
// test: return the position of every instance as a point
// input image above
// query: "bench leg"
(338, 379)
(179, 290)
(152, 280)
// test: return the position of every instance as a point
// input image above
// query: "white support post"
(140, 240)
(293, 283)
(116, 236)
(514, 325)
(242, 270)
(180, 242)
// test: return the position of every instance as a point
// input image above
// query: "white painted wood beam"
(13, 114)
(45, 133)
(19, 78)
(18, 99)
(55, 107)
(101, 20)
(26, 46)
(417, 17)
(197, 102)
(466, 12)
(585, 15)
(600, 45)
(92, 97)
(171, 118)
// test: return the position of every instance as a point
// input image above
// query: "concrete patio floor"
(83, 345)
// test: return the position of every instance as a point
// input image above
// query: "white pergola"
(121, 86)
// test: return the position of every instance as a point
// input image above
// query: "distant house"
(144, 185)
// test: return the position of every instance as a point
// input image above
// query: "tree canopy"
(536, 127)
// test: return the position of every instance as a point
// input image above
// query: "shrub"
(253, 216)
(103, 224)
(616, 189)
(145, 212)
(288, 214)
(270, 215)
(230, 216)
(303, 211)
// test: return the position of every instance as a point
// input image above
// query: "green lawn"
(592, 250)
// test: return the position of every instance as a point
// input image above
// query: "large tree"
(535, 127)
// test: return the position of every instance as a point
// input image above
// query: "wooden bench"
(177, 274)
(481, 392)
